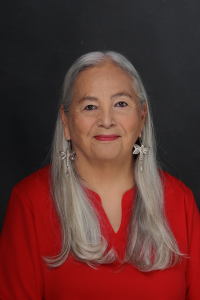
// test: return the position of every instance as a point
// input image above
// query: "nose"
(106, 119)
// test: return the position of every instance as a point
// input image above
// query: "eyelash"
(122, 102)
(89, 107)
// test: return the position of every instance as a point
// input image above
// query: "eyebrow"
(113, 96)
(88, 98)
(121, 94)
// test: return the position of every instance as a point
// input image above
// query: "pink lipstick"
(110, 137)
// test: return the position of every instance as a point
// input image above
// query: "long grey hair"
(149, 231)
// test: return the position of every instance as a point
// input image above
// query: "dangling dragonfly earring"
(142, 150)
(69, 155)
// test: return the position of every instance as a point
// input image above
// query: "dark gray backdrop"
(40, 40)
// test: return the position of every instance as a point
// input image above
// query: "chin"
(107, 155)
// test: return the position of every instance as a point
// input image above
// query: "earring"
(69, 155)
(142, 150)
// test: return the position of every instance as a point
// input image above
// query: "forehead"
(103, 76)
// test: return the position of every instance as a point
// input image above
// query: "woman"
(102, 221)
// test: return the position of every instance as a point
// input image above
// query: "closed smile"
(109, 137)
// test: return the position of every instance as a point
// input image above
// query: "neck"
(106, 176)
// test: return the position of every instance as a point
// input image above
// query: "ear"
(143, 117)
(65, 123)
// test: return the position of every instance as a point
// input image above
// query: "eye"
(90, 107)
(121, 104)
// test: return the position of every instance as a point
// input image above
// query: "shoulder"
(31, 212)
(173, 183)
(34, 186)
(35, 180)
(176, 192)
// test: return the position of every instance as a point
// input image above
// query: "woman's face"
(105, 118)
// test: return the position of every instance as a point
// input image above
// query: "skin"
(105, 102)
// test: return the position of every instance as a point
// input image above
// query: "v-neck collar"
(115, 239)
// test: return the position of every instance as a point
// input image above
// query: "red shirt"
(31, 231)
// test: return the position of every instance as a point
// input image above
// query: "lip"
(110, 137)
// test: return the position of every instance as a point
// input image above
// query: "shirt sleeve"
(20, 259)
(193, 263)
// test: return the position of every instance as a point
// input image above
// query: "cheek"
(80, 125)
(132, 124)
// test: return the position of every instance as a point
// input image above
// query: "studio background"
(41, 39)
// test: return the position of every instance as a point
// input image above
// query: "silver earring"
(69, 155)
(142, 150)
